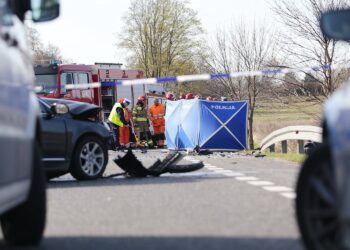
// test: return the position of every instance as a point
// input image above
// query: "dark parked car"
(74, 140)
(323, 187)
(22, 181)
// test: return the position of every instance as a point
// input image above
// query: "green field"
(271, 115)
(294, 157)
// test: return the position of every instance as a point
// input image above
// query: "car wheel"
(316, 201)
(90, 159)
(24, 225)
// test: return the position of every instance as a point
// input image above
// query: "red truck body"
(54, 77)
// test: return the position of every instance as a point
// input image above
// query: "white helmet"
(126, 101)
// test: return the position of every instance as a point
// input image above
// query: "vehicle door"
(54, 135)
(86, 92)
(17, 113)
(66, 78)
(81, 93)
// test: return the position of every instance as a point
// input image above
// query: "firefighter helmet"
(125, 101)
(141, 98)
(189, 96)
(170, 96)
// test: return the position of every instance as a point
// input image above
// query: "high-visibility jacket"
(139, 114)
(156, 115)
(114, 117)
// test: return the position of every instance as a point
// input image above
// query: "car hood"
(84, 110)
(79, 110)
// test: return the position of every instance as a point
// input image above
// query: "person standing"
(141, 123)
(116, 119)
(124, 132)
(156, 116)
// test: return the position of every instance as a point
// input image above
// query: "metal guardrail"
(300, 133)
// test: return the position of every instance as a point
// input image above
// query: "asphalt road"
(235, 202)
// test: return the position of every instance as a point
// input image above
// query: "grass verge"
(294, 157)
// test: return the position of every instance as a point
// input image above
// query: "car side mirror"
(44, 10)
(336, 24)
(59, 108)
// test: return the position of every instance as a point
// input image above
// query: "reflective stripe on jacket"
(114, 117)
(139, 114)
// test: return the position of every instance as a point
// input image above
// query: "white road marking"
(217, 171)
(267, 185)
(246, 178)
(278, 189)
(233, 174)
(119, 177)
(217, 168)
(211, 167)
(289, 195)
(223, 171)
(260, 183)
(198, 174)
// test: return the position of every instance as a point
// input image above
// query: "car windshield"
(47, 83)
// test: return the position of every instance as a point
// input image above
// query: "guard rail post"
(301, 147)
(284, 145)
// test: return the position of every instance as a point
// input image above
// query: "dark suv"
(22, 183)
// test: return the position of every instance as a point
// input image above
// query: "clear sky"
(86, 31)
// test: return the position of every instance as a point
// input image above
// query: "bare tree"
(303, 44)
(42, 53)
(242, 48)
(222, 59)
(162, 36)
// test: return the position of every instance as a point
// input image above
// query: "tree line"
(42, 53)
(165, 37)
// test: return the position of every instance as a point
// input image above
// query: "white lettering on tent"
(223, 107)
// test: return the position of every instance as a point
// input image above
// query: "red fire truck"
(53, 78)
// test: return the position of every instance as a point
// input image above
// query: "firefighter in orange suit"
(156, 116)
(124, 132)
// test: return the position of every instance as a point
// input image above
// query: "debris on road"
(134, 168)
(258, 154)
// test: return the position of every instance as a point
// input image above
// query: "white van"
(22, 183)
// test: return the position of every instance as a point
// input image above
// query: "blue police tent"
(206, 125)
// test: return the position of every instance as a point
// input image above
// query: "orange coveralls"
(156, 116)
(124, 132)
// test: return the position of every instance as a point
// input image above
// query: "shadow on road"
(166, 179)
(164, 243)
